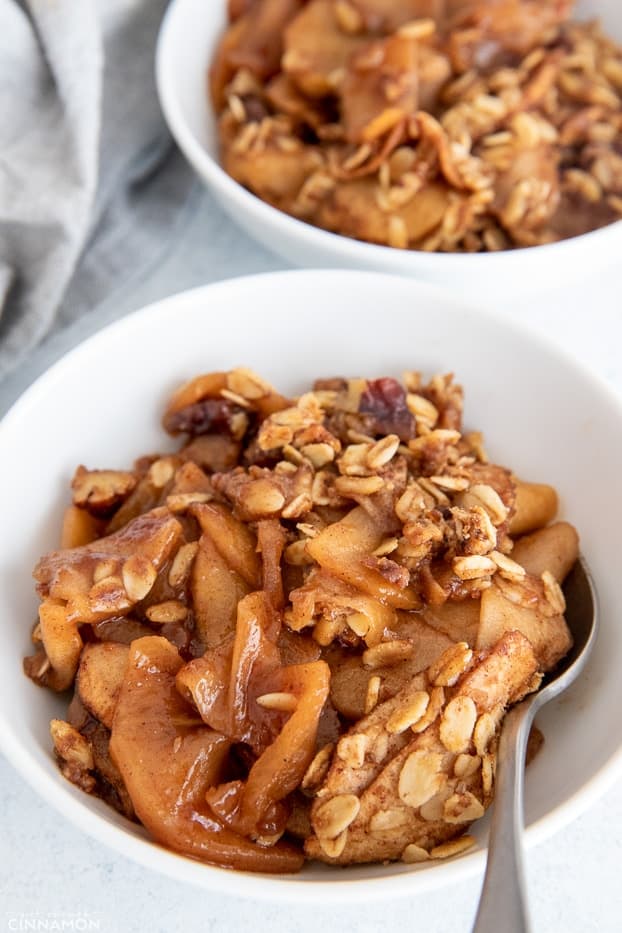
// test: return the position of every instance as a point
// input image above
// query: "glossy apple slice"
(168, 759)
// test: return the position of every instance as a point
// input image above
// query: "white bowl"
(101, 405)
(189, 34)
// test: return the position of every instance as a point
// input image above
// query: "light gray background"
(50, 872)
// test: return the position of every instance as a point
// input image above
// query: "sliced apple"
(281, 766)
(62, 643)
(271, 539)
(106, 578)
(350, 679)
(168, 761)
(548, 633)
(79, 528)
(342, 548)
(535, 507)
(224, 683)
(216, 591)
(324, 596)
(457, 619)
(366, 111)
(316, 48)
(191, 478)
(555, 549)
(233, 540)
(100, 677)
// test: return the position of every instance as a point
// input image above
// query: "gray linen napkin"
(90, 184)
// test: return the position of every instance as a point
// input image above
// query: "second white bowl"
(189, 35)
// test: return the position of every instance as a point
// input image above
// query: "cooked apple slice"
(272, 174)
(457, 619)
(342, 548)
(207, 385)
(107, 577)
(62, 643)
(234, 541)
(216, 591)
(168, 759)
(285, 97)
(79, 527)
(143, 498)
(100, 676)
(324, 598)
(224, 683)
(555, 549)
(424, 788)
(387, 15)
(101, 580)
(374, 100)
(352, 209)
(524, 608)
(271, 539)
(191, 478)
(316, 50)
(280, 768)
(535, 507)
(350, 678)
(214, 453)
(253, 41)
(254, 656)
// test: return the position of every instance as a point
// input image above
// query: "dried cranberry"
(209, 416)
(385, 400)
(255, 108)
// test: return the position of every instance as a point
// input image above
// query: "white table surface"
(54, 878)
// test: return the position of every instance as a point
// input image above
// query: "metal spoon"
(503, 902)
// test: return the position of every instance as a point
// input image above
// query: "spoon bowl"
(504, 889)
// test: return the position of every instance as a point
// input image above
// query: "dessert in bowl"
(490, 147)
(236, 322)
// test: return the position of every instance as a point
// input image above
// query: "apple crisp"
(437, 125)
(297, 636)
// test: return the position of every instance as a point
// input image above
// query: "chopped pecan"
(74, 754)
(101, 491)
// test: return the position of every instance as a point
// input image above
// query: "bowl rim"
(63, 796)
(345, 247)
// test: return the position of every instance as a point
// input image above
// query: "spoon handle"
(503, 902)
